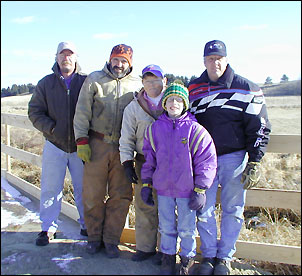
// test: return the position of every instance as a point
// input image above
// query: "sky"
(263, 38)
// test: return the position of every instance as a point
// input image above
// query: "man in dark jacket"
(51, 110)
(233, 110)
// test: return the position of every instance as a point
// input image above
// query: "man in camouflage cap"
(107, 193)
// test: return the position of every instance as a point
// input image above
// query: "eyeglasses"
(214, 59)
(70, 55)
(176, 98)
(148, 82)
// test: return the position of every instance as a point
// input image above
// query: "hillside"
(290, 88)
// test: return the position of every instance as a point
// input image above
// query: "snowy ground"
(65, 255)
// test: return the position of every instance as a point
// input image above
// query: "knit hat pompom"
(122, 50)
(176, 89)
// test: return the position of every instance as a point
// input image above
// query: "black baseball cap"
(215, 47)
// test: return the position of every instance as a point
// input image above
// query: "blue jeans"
(229, 171)
(185, 227)
(54, 164)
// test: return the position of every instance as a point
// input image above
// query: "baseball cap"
(154, 69)
(66, 45)
(215, 47)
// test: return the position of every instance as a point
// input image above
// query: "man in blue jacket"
(233, 110)
(51, 111)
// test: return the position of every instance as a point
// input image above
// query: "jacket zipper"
(116, 108)
(68, 121)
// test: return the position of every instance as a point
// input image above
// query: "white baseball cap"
(66, 45)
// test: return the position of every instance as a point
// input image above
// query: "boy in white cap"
(180, 165)
(141, 112)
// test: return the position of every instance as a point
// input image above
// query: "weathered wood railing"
(269, 198)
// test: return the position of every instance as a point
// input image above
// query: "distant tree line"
(18, 90)
(29, 88)
(184, 80)
(282, 80)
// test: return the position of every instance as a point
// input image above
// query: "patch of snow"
(8, 217)
(64, 261)
(12, 193)
(12, 258)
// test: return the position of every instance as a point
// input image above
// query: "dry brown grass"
(279, 171)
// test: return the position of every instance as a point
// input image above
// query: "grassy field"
(279, 171)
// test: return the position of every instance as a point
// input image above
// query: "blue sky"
(263, 38)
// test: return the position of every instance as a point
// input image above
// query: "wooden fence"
(255, 197)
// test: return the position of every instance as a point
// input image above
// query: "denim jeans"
(170, 227)
(229, 171)
(54, 164)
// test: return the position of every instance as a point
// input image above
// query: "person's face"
(175, 106)
(119, 66)
(154, 85)
(66, 60)
(215, 66)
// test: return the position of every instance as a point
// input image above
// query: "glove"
(251, 175)
(146, 194)
(84, 152)
(197, 199)
(130, 171)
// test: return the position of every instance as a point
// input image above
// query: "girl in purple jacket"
(181, 165)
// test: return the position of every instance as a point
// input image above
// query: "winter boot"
(141, 255)
(222, 267)
(168, 265)
(185, 265)
(94, 247)
(44, 237)
(156, 260)
(207, 266)
(112, 250)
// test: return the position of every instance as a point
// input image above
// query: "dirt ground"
(65, 255)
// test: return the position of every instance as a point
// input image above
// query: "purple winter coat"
(182, 156)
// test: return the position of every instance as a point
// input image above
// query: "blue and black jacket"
(234, 112)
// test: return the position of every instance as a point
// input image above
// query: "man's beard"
(120, 74)
(66, 69)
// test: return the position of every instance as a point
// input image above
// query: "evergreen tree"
(284, 78)
(268, 80)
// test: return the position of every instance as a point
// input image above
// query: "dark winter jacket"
(53, 106)
(180, 155)
(233, 110)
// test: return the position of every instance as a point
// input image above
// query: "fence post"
(7, 138)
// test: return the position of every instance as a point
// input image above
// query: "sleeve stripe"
(198, 141)
(151, 137)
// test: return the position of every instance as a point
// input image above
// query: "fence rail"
(270, 198)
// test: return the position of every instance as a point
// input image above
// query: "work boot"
(185, 265)
(112, 250)
(207, 266)
(83, 232)
(222, 267)
(141, 255)
(44, 237)
(94, 247)
(156, 260)
(168, 265)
